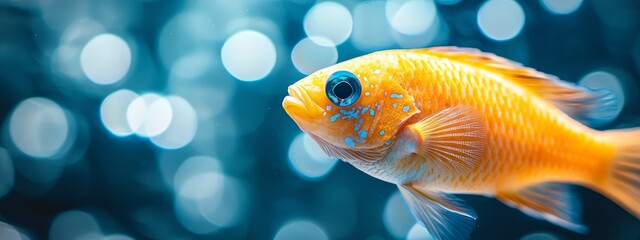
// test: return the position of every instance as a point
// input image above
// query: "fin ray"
(588, 106)
(444, 216)
(554, 202)
(454, 137)
(623, 182)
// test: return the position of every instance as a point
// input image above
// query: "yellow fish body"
(449, 120)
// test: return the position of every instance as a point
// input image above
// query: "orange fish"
(446, 120)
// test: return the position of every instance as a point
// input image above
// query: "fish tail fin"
(622, 184)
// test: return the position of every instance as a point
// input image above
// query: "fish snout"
(300, 104)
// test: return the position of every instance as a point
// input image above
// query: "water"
(154, 119)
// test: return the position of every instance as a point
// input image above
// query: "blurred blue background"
(144, 119)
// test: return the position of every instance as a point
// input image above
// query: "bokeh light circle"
(74, 224)
(159, 116)
(195, 166)
(113, 111)
(182, 128)
(371, 30)
(411, 17)
(189, 32)
(214, 18)
(448, 2)
(66, 58)
(192, 66)
(437, 34)
(301, 229)
(191, 218)
(137, 112)
(561, 6)
(314, 150)
(418, 232)
(201, 186)
(8, 232)
(312, 54)
(7, 173)
(248, 55)
(117, 237)
(149, 115)
(106, 59)
(397, 218)
(206, 199)
(39, 127)
(197, 179)
(635, 52)
(501, 20)
(607, 81)
(328, 20)
(231, 206)
(539, 236)
(307, 159)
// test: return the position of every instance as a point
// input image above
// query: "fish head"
(356, 105)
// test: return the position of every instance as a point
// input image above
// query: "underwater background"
(151, 119)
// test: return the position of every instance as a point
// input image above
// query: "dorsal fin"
(586, 105)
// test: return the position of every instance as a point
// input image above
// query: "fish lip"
(294, 107)
(299, 103)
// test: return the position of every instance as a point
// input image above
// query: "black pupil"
(343, 90)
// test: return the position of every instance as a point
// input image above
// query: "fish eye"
(343, 88)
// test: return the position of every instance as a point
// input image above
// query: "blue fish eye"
(343, 88)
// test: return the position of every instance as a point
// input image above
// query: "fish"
(443, 121)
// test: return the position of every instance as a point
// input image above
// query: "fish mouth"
(299, 103)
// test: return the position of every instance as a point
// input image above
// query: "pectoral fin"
(444, 216)
(454, 138)
(554, 202)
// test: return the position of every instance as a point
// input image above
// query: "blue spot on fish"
(335, 117)
(358, 124)
(349, 142)
(367, 93)
(328, 107)
(381, 132)
(371, 112)
(395, 95)
(351, 114)
(405, 109)
(395, 105)
(363, 133)
(364, 110)
(387, 143)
